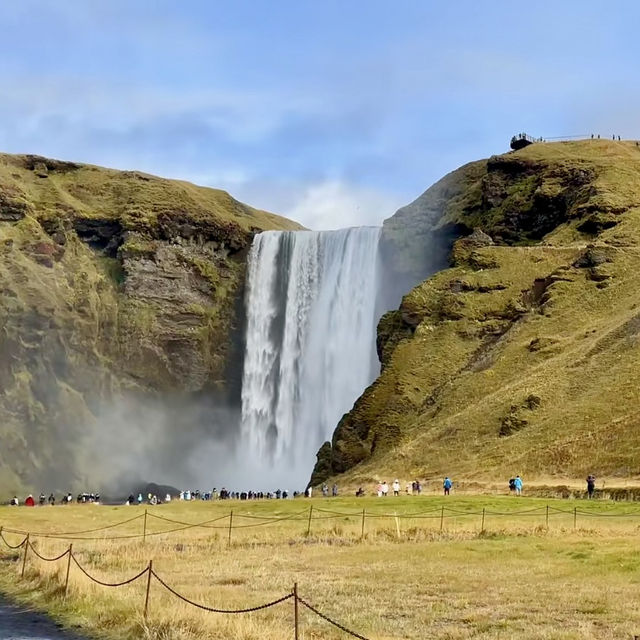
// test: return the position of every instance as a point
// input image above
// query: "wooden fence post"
(295, 610)
(24, 559)
(482, 527)
(575, 516)
(146, 597)
(144, 528)
(309, 524)
(230, 527)
(66, 578)
(547, 516)
(442, 518)
(362, 529)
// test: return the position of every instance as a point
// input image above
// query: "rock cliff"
(112, 284)
(522, 354)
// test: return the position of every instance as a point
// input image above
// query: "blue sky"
(332, 112)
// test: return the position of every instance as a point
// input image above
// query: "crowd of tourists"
(68, 498)
(382, 490)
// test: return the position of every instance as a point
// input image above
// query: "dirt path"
(18, 623)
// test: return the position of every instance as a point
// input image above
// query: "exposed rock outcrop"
(111, 283)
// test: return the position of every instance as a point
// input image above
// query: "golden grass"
(404, 579)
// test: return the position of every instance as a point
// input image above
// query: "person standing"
(334, 490)
(518, 485)
(446, 485)
(396, 487)
(385, 489)
(591, 485)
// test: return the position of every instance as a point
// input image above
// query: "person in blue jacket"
(518, 485)
(447, 484)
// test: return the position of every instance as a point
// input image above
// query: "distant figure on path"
(325, 490)
(52, 500)
(396, 487)
(446, 485)
(512, 485)
(591, 485)
(14, 501)
(42, 499)
(30, 502)
(359, 492)
(334, 490)
(379, 489)
(409, 488)
(385, 489)
(518, 485)
(309, 491)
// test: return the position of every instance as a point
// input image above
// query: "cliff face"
(112, 284)
(522, 356)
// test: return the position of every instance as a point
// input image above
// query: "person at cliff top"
(447, 484)
(591, 485)
(139, 498)
(30, 502)
(518, 485)
(52, 500)
(396, 487)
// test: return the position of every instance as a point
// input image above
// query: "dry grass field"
(407, 577)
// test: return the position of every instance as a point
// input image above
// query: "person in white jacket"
(396, 487)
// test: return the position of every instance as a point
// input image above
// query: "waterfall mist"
(310, 345)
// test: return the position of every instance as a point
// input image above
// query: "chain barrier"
(329, 620)
(206, 524)
(108, 584)
(305, 515)
(62, 555)
(11, 546)
(273, 603)
(74, 533)
(441, 513)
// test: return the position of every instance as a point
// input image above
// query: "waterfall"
(310, 344)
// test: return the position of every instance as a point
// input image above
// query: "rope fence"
(150, 573)
(236, 521)
(437, 513)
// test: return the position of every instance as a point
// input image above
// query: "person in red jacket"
(30, 502)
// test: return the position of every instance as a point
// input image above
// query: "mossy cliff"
(523, 356)
(111, 282)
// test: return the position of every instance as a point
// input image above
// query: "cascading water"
(310, 344)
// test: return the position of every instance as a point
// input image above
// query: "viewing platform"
(522, 140)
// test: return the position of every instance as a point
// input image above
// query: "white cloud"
(335, 204)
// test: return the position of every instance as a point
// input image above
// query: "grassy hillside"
(112, 283)
(524, 355)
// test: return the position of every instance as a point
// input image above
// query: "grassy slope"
(503, 375)
(518, 579)
(133, 197)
